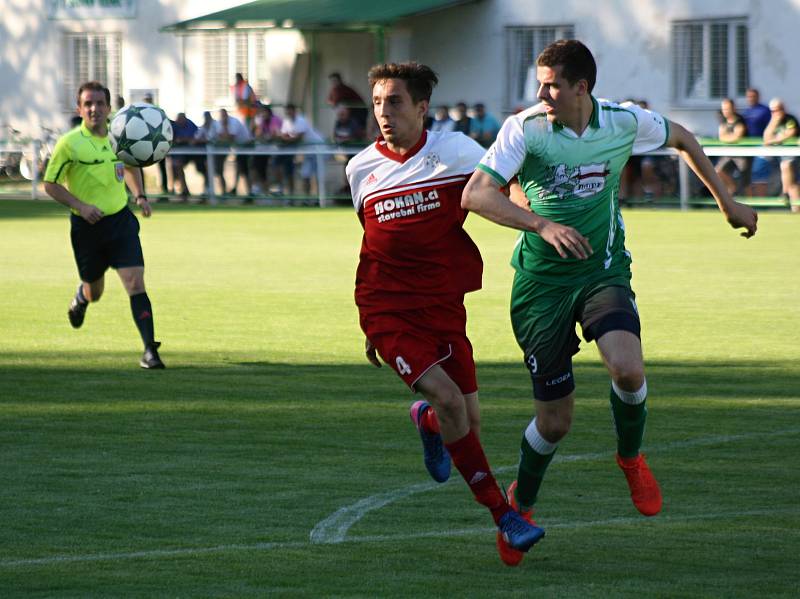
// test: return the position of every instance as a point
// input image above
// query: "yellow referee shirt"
(87, 166)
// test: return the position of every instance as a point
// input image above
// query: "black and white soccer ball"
(140, 134)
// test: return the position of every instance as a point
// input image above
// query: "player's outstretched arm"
(482, 195)
(133, 178)
(738, 215)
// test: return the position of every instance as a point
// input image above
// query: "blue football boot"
(517, 532)
(437, 459)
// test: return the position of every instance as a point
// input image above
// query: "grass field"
(270, 459)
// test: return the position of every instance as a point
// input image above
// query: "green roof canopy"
(310, 15)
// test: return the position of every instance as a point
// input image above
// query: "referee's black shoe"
(150, 359)
(76, 313)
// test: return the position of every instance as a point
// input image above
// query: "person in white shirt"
(296, 130)
(230, 131)
(442, 120)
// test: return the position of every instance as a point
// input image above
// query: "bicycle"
(34, 161)
(10, 153)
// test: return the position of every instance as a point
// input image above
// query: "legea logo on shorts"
(533, 365)
(402, 365)
(558, 380)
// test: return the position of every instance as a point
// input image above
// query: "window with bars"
(710, 60)
(91, 57)
(523, 45)
(228, 53)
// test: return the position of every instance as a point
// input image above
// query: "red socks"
(468, 456)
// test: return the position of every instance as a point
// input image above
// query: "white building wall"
(31, 57)
(466, 45)
(629, 38)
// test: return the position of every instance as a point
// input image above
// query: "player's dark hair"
(420, 79)
(575, 59)
(95, 86)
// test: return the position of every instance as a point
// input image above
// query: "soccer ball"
(140, 134)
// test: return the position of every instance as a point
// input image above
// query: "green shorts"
(543, 317)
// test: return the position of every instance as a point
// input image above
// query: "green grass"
(206, 480)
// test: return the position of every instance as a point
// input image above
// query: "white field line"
(482, 530)
(335, 527)
(341, 520)
(577, 524)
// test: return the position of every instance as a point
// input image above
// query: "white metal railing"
(717, 150)
(319, 152)
(31, 151)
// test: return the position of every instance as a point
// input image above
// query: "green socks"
(535, 455)
(630, 413)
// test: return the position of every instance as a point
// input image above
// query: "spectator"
(245, 99)
(484, 126)
(202, 137)
(162, 164)
(782, 128)
(119, 104)
(462, 122)
(344, 95)
(427, 121)
(347, 129)
(266, 129)
(183, 134)
(230, 131)
(756, 118)
(732, 130)
(296, 130)
(645, 176)
(442, 120)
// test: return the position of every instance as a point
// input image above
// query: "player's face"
(560, 98)
(399, 118)
(93, 109)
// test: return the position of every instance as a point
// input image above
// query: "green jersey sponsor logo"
(580, 181)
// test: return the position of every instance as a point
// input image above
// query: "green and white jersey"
(573, 180)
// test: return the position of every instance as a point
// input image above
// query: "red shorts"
(413, 341)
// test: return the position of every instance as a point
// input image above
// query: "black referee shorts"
(111, 242)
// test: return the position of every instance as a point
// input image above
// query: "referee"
(85, 175)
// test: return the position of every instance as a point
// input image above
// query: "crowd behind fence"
(25, 161)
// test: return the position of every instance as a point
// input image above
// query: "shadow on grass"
(47, 208)
(111, 376)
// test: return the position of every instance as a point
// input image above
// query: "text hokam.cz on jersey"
(406, 205)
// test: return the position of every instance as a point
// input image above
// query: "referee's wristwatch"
(141, 196)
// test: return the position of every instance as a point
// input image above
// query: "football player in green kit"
(571, 264)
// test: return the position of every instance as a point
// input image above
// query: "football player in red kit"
(416, 264)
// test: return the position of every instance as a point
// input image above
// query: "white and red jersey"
(414, 251)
